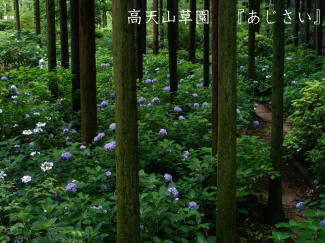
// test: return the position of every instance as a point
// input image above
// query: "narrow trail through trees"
(294, 186)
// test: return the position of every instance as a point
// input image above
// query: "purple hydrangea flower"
(181, 118)
(192, 205)
(108, 174)
(162, 132)
(168, 177)
(104, 103)
(178, 109)
(97, 207)
(154, 80)
(322, 222)
(155, 100)
(4, 78)
(148, 81)
(83, 147)
(14, 87)
(99, 137)
(104, 65)
(186, 154)
(65, 131)
(73, 131)
(66, 156)
(112, 95)
(71, 187)
(316, 182)
(195, 95)
(173, 193)
(142, 100)
(167, 88)
(112, 127)
(299, 205)
(149, 105)
(141, 227)
(110, 146)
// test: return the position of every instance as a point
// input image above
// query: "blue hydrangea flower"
(110, 146)
(178, 109)
(299, 205)
(71, 187)
(155, 100)
(149, 105)
(108, 174)
(99, 137)
(112, 127)
(255, 123)
(181, 118)
(148, 81)
(192, 205)
(168, 177)
(195, 95)
(82, 147)
(104, 103)
(322, 222)
(4, 78)
(173, 193)
(162, 132)
(142, 100)
(141, 227)
(66, 156)
(65, 131)
(112, 95)
(316, 182)
(167, 88)
(186, 154)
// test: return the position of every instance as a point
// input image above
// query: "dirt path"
(294, 187)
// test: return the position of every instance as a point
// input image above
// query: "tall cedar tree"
(319, 32)
(275, 209)
(87, 51)
(75, 57)
(37, 17)
(227, 82)
(296, 24)
(155, 31)
(252, 29)
(124, 73)
(192, 32)
(64, 34)
(206, 47)
(161, 13)
(172, 7)
(214, 50)
(307, 25)
(17, 14)
(51, 49)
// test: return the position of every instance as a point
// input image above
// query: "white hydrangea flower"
(41, 124)
(36, 114)
(2, 175)
(27, 132)
(26, 179)
(37, 130)
(46, 166)
(1, 111)
(34, 153)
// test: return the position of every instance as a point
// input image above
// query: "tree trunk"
(155, 43)
(144, 27)
(37, 17)
(64, 34)
(192, 32)
(75, 58)
(307, 22)
(161, 13)
(297, 21)
(227, 92)
(87, 51)
(124, 73)
(206, 46)
(172, 7)
(17, 15)
(275, 210)
(140, 38)
(51, 50)
(214, 67)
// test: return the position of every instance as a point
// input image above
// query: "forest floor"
(294, 187)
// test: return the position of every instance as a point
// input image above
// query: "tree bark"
(75, 57)
(172, 7)
(124, 73)
(206, 46)
(87, 52)
(297, 21)
(227, 92)
(192, 32)
(155, 43)
(51, 50)
(64, 34)
(161, 12)
(37, 17)
(214, 67)
(275, 209)
(17, 15)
